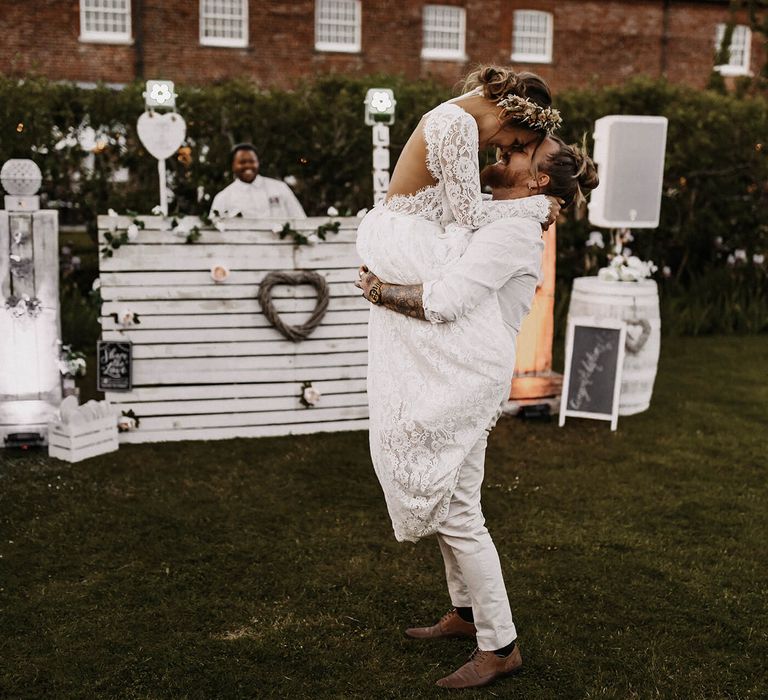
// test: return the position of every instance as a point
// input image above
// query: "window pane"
(739, 48)
(106, 16)
(444, 28)
(532, 34)
(224, 19)
(337, 22)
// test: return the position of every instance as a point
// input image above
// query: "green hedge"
(716, 174)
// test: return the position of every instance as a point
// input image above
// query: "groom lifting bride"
(450, 275)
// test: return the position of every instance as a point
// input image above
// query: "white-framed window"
(337, 25)
(740, 50)
(532, 36)
(445, 29)
(224, 22)
(105, 21)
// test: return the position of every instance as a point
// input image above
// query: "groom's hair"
(242, 147)
(572, 173)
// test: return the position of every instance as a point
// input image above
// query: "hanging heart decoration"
(294, 333)
(636, 340)
(161, 134)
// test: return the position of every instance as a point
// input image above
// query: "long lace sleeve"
(451, 136)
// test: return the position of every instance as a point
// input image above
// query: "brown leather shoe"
(483, 668)
(450, 625)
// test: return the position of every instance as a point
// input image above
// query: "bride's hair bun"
(498, 82)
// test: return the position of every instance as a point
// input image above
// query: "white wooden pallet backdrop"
(207, 363)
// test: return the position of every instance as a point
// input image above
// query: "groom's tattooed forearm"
(404, 298)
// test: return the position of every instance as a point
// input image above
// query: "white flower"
(313, 238)
(627, 236)
(666, 271)
(182, 227)
(617, 261)
(276, 228)
(126, 423)
(596, 239)
(740, 254)
(96, 284)
(160, 93)
(628, 274)
(157, 210)
(360, 214)
(290, 180)
(634, 262)
(333, 211)
(219, 273)
(758, 258)
(133, 232)
(627, 252)
(718, 241)
(730, 259)
(112, 212)
(608, 274)
(126, 318)
(311, 395)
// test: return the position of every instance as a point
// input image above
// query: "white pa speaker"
(629, 154)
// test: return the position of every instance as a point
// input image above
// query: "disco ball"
(21, 176)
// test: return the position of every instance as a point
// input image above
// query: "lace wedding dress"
(433, 388)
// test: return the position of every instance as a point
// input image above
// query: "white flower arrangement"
(596, 240)
(627, 269)
(72, 363)
(132, 231)
(309, 395)
(127, 318)
(333, 211)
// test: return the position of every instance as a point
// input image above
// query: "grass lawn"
(636, 562)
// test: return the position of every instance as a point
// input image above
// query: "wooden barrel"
(636, 303)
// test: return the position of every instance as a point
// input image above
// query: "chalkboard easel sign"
(114, 360)
(594, 356)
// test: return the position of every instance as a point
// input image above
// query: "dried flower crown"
(528, 112)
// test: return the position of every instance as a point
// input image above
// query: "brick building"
(568, 42)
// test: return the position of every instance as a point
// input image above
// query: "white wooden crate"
(207, 363)
(73, 443)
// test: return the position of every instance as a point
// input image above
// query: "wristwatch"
(375, 294)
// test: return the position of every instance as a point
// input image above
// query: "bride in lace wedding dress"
(434, 388)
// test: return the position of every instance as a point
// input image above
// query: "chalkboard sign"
(594, 355)
(114, 366)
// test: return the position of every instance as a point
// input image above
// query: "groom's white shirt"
(265, 197)
(503, 257)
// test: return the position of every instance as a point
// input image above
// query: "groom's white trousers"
(472, 566)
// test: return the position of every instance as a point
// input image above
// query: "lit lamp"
(380, 114)
(30, 383)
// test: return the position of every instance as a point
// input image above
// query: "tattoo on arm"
(404, 298)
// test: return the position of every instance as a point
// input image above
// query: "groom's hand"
(554, 211)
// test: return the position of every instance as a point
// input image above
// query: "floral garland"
(319, 235)
(72, 362)
(528, 112)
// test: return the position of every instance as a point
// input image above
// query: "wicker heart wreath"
(635, 345)
(294, 333)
